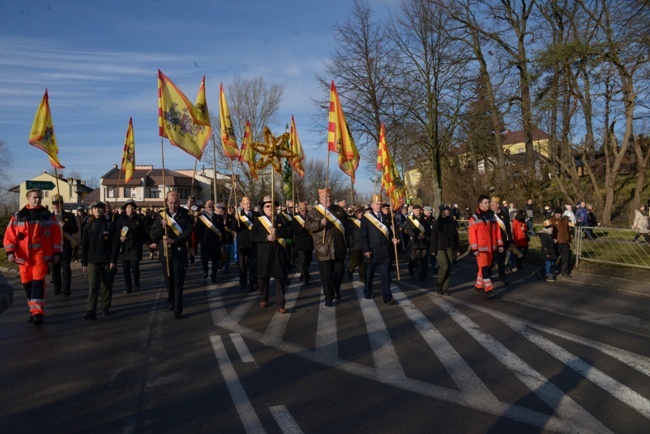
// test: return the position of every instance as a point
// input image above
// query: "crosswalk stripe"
(563, 405)
(241, 348)
(243, 405)
(326, 336)
(243, 307)
(383, 352)
(285, 421)
(596, 376)
(278, 324)
(467, 381)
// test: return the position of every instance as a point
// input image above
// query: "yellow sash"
(331, 217)
(175, 226)
(206, 221)
(379, 225)
(500, 223)
(247, 222)
(287, 216)
(356, 222)
(267, 225)
(300, 220)
(417, 224)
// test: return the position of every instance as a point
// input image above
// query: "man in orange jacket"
(484, 239)
(33, 239)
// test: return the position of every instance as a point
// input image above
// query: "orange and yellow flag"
(296, 149)
(391, 182)
(247, 153)
(128, 156)
(339, 138)
(42, 133)
(203, 135)
(228, 140)
(178, 119)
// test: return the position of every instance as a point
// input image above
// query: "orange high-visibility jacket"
(33, 232)
(484, 233)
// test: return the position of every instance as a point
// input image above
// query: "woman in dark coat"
(271, 257)
(132, 237)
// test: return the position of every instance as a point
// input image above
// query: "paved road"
(566, 357)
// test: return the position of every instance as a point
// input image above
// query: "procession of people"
(268, 239)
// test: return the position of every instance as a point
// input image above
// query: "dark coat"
(373, 240)
(70, 227)
(271, 256)
(179, 247)
(334, 244)
(136, 236)
(303, 239)
(354, 234)
(100, 242)
(548, 246)
(444, 235)
(413, 232)
(210, 242)
(244, 243)
(228, 234)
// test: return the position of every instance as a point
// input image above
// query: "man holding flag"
(170, 233)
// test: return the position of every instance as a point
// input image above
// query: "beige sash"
(247, 222)
(417, 223)
(206, 221)
(331, 217)
(356, 222)
(267, 225)
(379, 225)
(175, 226)
(68, 237)
(300, 220)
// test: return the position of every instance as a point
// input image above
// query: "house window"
(184, 193)
(129, 192)
(154, 194)
(521, 149)
(110, 192)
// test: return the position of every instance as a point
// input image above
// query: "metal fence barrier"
(612, 246)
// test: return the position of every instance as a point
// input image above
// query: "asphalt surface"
(571, 356)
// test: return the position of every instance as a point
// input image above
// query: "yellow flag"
(391, 182)
(178, 119)
(228, 140)
(42, 133)
(128, 156)
(339, 138)
(204, 134)
(296, 149)
(247, 153)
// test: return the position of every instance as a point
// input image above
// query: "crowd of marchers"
(267, 241)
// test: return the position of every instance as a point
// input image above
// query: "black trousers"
(61, 275)
(207, 255)
(356, 260)
(500, 259)
(384, 275)
(304, 262)
(247, 269)
(331, 276)
(564, 253)
(175, 281)
(127, 267)
(420, 258)
(279, 290)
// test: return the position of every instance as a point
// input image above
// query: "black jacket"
(444, 235)
(70, 227)
(302, 237)
(373, 240)
(136, 237)
(210, 241)
(413, 232)
(271, 257)
(244, 243)
(100, 242)
(179, 247)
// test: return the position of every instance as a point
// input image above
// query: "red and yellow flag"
(228, 140)
(203, 135)
(128, 156)
(339, 138)
(247, 153)
(178, 119)
(296, 149)
(391, 182)
(42, 133)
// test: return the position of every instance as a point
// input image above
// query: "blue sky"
(99, 62)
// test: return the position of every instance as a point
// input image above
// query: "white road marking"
(243, 405)
(562, 404)
(244, 306)
(383, 352)
(241, 348)
(467, 381)
(285, 421)
(326, 337)
(278, 324)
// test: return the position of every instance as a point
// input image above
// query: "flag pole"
(214, 169)
(272, 196)
(196, 160)
(56, 176)
(117, 191)
(293, 192)
(351, 192)
(165, 247)
(392, 219)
